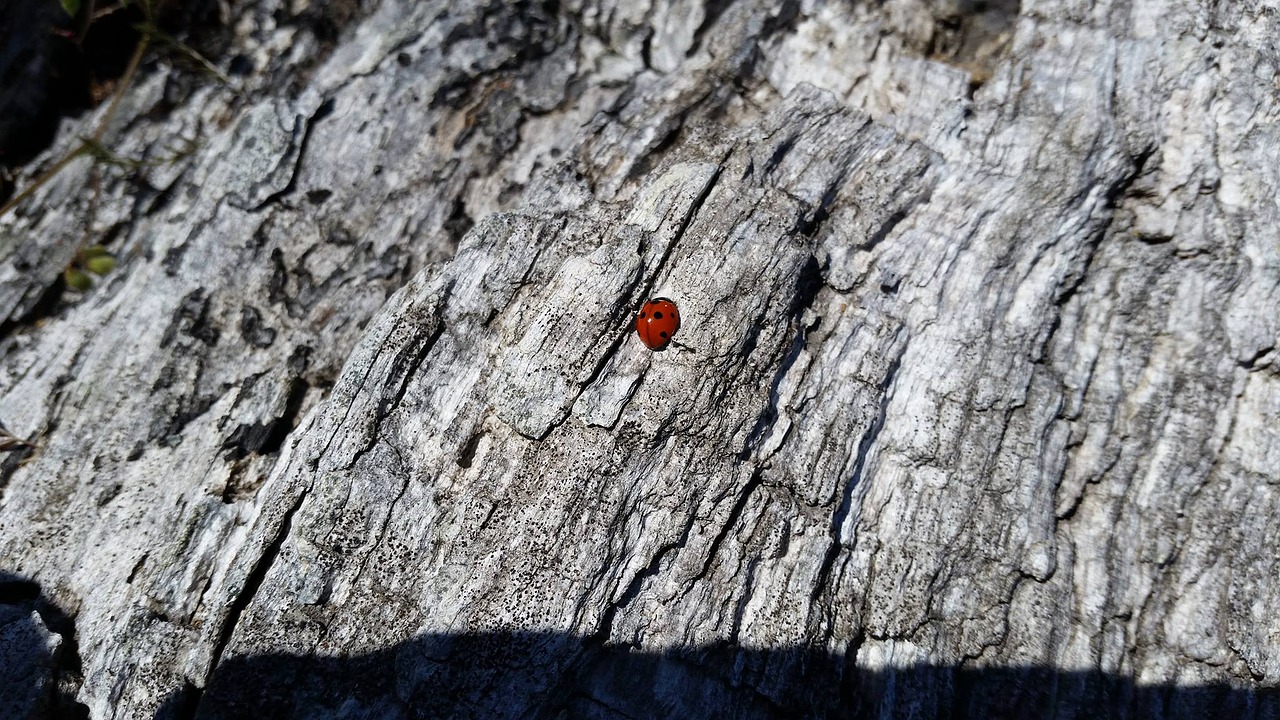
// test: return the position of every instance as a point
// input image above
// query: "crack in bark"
(629, 291)
(1256, 361)
(1118, 190)
(596, 640)
(386, 521)
(612, 711)
(603, 362)
(302, 129)
(712, 10)
(808, 286)
(241, 602)
(404, 367)
(740, 611)
(859, 468)
(267, 436)
(735, 514)
(921, 199)
(694, 208)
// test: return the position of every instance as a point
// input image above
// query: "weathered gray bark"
(973, 408)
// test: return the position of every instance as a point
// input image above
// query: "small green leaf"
(71, 6)
(77, 279)
(100, 265)
(93, 251)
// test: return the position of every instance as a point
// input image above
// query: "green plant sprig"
(149, 32)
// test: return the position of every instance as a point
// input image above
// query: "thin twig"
(84, 147)
(192, 54)
(108, 10)
(43, 178)
(9, 441)
(84, 18)
(125, 81)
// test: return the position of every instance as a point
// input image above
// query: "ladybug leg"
(676, 343)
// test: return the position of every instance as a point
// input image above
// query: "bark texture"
(973, 411)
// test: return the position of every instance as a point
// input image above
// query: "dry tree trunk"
(973, 411)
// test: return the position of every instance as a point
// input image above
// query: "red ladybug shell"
(657, 322)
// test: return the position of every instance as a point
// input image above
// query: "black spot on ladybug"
(657, 316)
(642, 313)
(663, 334)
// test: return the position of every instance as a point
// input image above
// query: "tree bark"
(972, 411)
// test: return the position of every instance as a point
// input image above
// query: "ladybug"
(657, 322)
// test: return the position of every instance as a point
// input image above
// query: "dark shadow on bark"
(36, 680)
(555, 675)
(549, 675)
